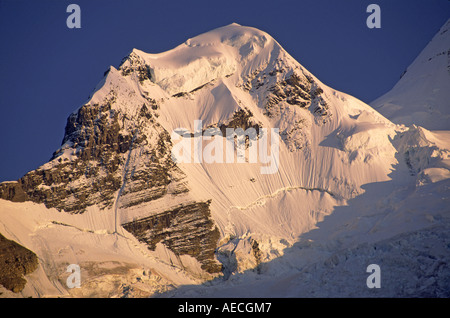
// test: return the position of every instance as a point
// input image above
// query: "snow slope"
(422, 95)
(345, 176)
(110, 264)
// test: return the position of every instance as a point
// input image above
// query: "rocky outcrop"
(91, 175)
(12, 191)
(257, 254)
(91, 166)
(186, 230)
(134, 64)
(297, 90)
(281, 90)
(279, 83)
(242, 118)
(15, 262)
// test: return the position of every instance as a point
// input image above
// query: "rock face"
(185, 230)
(280, 84)
(242, 118)
(134, 64)
(15, 262)
(12, 191)
(91, 166)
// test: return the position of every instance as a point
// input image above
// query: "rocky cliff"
(15, 262)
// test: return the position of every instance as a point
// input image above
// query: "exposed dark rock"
(199, 87)
(99, 141)
(257, 255)
(181, 94)
(185, 230)
(133, 63)
(94, 131)
(296, 89)
(144, 112)
(242, 118)
(12, 191)
(15, 262)
(285, 89)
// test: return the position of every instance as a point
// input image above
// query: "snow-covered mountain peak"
(220, 53)
(234, 35)
(438, 46)
(422, 95)
(126, 198)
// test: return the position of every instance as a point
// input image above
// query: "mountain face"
(117, 199)
(421, 96)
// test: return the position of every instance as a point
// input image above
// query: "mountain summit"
(115, 198)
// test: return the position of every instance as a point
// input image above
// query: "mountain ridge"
(420, 97)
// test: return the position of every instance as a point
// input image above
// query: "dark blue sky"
(47, 70)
